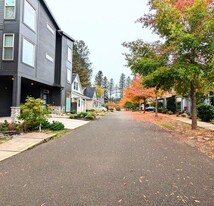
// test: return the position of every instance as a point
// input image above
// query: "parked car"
(150, 108)
(101, 109)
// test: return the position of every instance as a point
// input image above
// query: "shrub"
(164, 110)
(57, 126)
(71, 116)
(46, 125)
(90, 117)
(83, 114)
(171, 104)
(118, 109)
(33, 113)
(90, 110)
(205, 112)
(170, 112)
(73, 111)
(4, 126)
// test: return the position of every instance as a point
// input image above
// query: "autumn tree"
(184, 61)
(81, 63)
(100, 91)
(137, 93)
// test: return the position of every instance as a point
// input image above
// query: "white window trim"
(35, 17)
(69, 58)
(34, 52)
(8, 47)
(9, 6)
(50, 28)
(69, 79)
(48, 57)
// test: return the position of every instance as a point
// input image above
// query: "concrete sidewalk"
(21, 143)
(204, 125)
(26, 141)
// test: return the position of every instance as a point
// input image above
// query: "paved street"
(113, 161)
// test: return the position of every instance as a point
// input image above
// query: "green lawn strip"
(4, 139)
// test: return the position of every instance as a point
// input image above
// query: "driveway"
(113, 161)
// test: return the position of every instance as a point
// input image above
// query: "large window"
(10, 9)
(29, 16)
(69, 76)
(8, 46)
(28, 53)
(69, 54)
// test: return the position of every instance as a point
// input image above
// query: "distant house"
(35, 57)
(93, 102)
(78, 100)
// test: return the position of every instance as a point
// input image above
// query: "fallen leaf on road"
(120, 201)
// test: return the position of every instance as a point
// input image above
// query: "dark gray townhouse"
(35, 56)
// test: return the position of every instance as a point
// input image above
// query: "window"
(75, 85)
(8, 46)
(69, 54)
(50, 28)
(29, 16)
(69, 76)
(79, 103)
(49, 57)
(28, 53)
(9, 9)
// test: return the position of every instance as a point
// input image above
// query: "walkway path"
(114, 161)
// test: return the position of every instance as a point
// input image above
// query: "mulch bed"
(200, 138)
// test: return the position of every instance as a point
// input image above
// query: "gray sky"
(103, 25)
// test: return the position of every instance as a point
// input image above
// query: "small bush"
(4, 126)
(164, 110)
(90, 110)
(170, 112)
(73, 111)
(118, 109)
(205, 112)
(83, 114)
(90, 117)
(46, 125)
(71, 116)
(57, 126)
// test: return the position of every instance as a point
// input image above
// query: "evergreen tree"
(105, 86)
(111, 88)
(81, 63)
(99, 78)
(128, 81)
(122, 83)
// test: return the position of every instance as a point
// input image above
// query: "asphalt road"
(112, 161)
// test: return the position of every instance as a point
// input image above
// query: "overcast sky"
(103, 25)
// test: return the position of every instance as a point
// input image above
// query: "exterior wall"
(65, 64)
(44, 42)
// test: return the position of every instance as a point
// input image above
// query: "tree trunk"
(144, 105)
(156, 104)
(193, 100)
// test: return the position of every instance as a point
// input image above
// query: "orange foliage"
(182, 4)
(136, 92)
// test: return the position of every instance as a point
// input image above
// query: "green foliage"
(33, 113)
(171, 104)
(4, 126)
(73, 111)
(122, 84)
(90, 117)
(99, 79)
(55, 126)
(128, 105)
(118, 109)
(83, 114)
(46, 125)
(205, 112)
(72, 116)
(81, 63)
(164, 110)
(170, 112)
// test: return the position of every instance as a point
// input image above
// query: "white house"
(92, 102)
(77, 97)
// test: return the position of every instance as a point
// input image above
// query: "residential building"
(78, 100)
(35, 56)
(93, 102)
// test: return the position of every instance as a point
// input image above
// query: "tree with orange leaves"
(137, 93)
